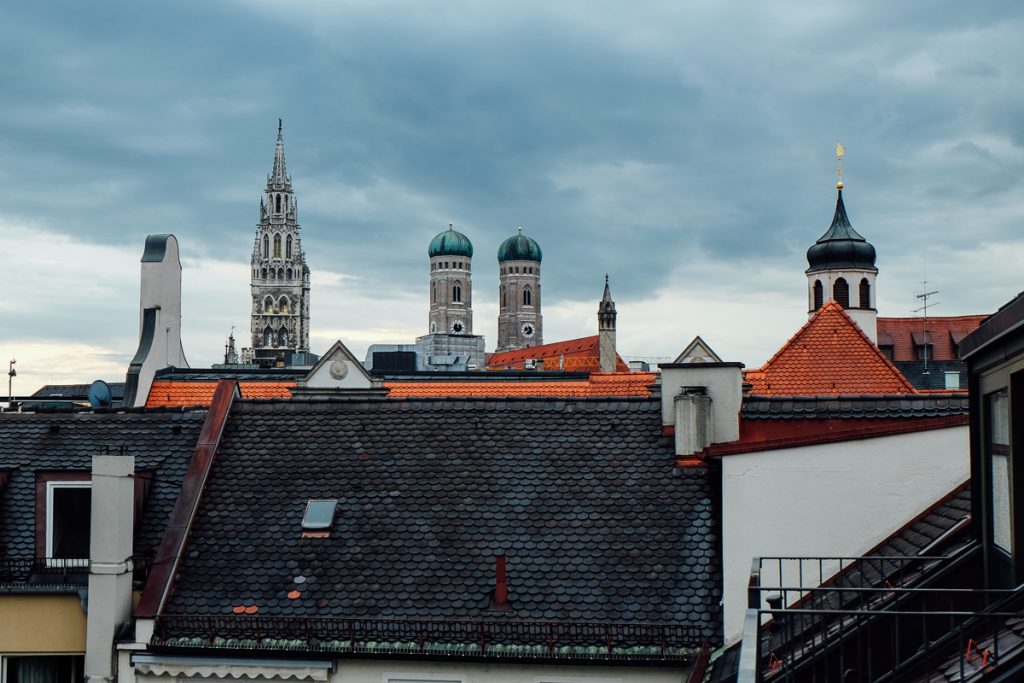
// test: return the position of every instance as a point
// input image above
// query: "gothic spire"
(606, 309)
(278, 178)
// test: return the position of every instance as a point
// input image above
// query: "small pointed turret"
(608, 357)
(278, 178)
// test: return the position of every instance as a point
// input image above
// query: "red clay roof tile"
(945, 334)
(829, 356)
(574, 355)
(177, 394)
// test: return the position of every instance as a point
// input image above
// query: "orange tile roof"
(599, 384)
(175, 394)
(574, 355)
(828, 356)
(945, 333)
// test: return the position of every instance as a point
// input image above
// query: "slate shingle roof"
(162, 442)
(854, 407)
(576, 355)
(581, 496)
(828, 356)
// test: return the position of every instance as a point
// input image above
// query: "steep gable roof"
(574, 355)
(162, 443)
(581, 497)
(828, 356)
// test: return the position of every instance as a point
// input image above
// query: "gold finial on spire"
(840, 151)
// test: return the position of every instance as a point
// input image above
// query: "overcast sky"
(685, 148)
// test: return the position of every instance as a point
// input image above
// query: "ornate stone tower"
(520, 324)
(280, 277)
(841, 266)
(607, 356)
(451, 283)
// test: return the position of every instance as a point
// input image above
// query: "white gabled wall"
(829, 499)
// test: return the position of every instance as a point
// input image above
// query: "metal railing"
(859, 645)
(24, 573)
(43, 571)
(872, 619)
(490, 639)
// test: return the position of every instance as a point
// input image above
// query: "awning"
(227, 667)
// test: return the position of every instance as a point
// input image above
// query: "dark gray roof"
(76, 391)
(905, 405)
(582, 497)
(162, 443)
(932, 375)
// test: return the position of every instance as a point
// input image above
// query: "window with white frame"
(393, 677)
(68, 515)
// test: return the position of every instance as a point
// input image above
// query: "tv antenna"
(924, 297)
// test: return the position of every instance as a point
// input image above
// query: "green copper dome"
(450, 243)
(519, 248)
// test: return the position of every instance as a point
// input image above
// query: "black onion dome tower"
(841, 267)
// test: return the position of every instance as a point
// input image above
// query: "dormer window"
(68, 506)
(923, 345)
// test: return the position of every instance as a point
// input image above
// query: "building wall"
(362, 671)
(399, 671)
(831, 499)
(41, 623)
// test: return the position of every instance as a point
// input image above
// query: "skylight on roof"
(319, 515)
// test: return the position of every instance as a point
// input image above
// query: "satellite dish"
(99, 394)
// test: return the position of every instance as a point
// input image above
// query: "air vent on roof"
(319, 518)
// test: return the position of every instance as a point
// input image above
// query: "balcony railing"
(27, 573)
(871, 619)
(504, 639)
(43, 571)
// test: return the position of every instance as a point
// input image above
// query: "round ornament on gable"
(338, 369)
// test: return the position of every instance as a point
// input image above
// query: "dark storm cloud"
(631, 141)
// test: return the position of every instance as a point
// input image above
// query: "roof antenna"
(924, 297)
(279, 124)
(840, 151)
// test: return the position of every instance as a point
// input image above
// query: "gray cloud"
(632, 141)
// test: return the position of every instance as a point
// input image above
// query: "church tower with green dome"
(451, 283)
(520, 324)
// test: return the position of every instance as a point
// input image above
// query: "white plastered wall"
(836, 499)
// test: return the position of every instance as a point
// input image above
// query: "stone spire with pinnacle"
(608, 357)
(280, 276)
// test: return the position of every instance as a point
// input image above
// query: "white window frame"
(51, 486)
(414, 677)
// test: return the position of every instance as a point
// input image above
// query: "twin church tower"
(280, 290)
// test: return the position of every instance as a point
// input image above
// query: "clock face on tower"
(528, 329)
(457, 327)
